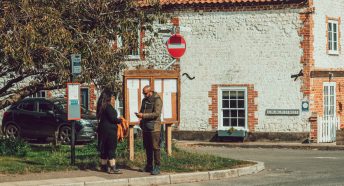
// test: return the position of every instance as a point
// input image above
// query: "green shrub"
(13, 147)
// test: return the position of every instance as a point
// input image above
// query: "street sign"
(176, 46)
(76, 64)
(73, 101)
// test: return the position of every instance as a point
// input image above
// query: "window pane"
(225, 113)
(334, 27)
(241, 113)
(28, 106)
(234, 113)
(234, 104)
(331, 90)
(225, 95)
(233, 94)
(334, 37)
(45, 107)
(329, 27)
(241, 104)
(241, 95)
(234, 122)
(226, 122)
(225, 104)
(335, 46)
(241, 122)
(131, 41)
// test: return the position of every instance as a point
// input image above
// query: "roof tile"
(173, 2)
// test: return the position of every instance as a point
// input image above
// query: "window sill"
(133, 57)
(333, 53)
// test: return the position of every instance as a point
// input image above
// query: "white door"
(232, 109)
(329, 99)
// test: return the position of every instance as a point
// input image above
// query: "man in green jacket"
(150, 124)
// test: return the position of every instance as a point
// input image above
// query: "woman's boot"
(103, 165)
(113, 169)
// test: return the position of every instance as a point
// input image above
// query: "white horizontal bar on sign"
(179, 45)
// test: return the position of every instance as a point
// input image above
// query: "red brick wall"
(93, 98)
(252, 107)
(307, 60)
(308, 49)
(317, 91)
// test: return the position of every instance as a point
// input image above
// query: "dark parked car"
(40, 118)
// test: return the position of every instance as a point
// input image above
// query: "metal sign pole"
(72, 144)
(75, 69)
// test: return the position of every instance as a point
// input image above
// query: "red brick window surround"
(250, 106)
(333, 36)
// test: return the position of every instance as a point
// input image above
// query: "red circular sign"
(176, 46)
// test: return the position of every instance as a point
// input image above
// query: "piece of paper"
(157, 85)
(133, 83)
(170, 85)
(167, 105)
(133, 104)
(73, 91)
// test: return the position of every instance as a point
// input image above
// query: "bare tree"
(37, 38)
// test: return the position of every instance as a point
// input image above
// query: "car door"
(26, 116)
(46, 123)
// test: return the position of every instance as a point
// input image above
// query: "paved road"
(282, 166)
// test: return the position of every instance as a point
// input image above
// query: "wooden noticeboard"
(164, 82)
(167, 84)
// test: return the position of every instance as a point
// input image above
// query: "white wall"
(260, 48)
(330, 8)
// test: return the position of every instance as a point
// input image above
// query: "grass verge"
(46, 159)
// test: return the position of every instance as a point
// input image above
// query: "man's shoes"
(104, 168)
(146, 169)
(156, 170)
(114, 170)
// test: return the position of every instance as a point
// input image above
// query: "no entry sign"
(176, 46)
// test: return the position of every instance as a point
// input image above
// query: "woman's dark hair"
(103, 100)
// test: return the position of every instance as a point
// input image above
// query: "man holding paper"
(150, 115)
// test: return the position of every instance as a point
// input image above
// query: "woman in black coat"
(107, 133)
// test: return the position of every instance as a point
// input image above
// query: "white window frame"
(331, 35)
(118, 107)
(131, 56)
(328, 92)
(39, 94)
(220, 113)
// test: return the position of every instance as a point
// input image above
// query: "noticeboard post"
(73, 112)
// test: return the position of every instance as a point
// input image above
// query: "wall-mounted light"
(297, 75)
(330, 76)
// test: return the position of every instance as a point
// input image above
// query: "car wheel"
(65, 135)
(12, 131)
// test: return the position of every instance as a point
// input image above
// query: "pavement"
(134, 177)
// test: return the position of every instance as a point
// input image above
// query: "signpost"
(76, 64)
(176, 46)
(73, 101)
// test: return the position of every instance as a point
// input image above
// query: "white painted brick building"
(254, 47)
